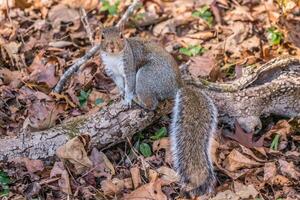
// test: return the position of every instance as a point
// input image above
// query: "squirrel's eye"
(102, 37)
(121, 35)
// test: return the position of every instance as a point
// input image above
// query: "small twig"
(216, 12)
(8, 13)
(135, 4)
(86, 25)
(75, 67)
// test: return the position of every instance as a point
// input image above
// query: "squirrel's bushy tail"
(193, 124)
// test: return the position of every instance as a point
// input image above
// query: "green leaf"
(4, 181)
(275, 142)
(204, 13)
(159, 134)
(185, 51)
(83, 97)
(145, 149)
(274, 36)
(98, 101)
(83, 94)
(112, 9)
(4, 193)
(192, 50)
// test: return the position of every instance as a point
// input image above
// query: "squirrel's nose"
(112, 47)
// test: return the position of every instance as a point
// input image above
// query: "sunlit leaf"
(159, 134)
(204, 13)
(145, 149)
(274, 36)
(192, 50)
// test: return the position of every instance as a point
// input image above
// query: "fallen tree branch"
(271, 68)
(75, 67)
(112, 124)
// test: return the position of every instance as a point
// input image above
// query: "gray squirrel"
(146, 73)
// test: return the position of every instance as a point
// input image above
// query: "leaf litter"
(39, 40)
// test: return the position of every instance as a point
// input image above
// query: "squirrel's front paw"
(128, 99)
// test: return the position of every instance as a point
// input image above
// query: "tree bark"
(112, 124)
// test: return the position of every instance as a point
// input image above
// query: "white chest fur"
(113, 64)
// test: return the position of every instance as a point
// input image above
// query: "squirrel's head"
(112, 40)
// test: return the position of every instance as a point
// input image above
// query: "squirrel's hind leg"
(145, 94)
(147, 102)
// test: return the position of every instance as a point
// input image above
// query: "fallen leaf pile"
(39, 40)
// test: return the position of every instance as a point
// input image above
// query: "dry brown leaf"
(11, 78)
(179, 6)
(202, 35)
(293, 30)
(245, 191)
(294, 154)
(64, 181)
(102, 167)
(240, 13)
(250, 153)
(112, 187)
(31, 165)
(153, 175)
(12, 50)
(43, 71)
(282, 127)
(227, 194)
(289, 169)
(150, 190)
(74, 151)
(168, 175)
(63, 97)
(240, 33)
(164, 27)
(201, 66)
(169, 26)
(243, 138)
(43, 114)
(235, 160)
(163, 143)
(251, 44)
(280, 180)
(136, 177)
(216, 147)
(128, 183)
(61, 13)
(86, 4)
(269, 171)
(252, 178)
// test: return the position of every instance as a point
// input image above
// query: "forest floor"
(40, 39)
